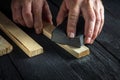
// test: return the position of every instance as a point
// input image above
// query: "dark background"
(103, 63)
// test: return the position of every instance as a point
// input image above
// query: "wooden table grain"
(103, 63)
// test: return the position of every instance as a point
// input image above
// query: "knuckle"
(27, 13)
(36, 25)
(92, 18)
(72, 24)
(17, 17)
(89, 34)
(98, 20)
(73, 16)
(14, 7)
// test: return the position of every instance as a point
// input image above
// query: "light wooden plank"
(5, 46)
(25, 42)
(77, 52)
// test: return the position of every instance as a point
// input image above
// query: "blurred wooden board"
(77, 52)
(25, 42)
(5, 46)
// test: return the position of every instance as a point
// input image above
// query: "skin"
(92, 12)
(30, 13)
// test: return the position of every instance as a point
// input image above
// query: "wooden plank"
(5, 46)
(77, 52)
(25, 42)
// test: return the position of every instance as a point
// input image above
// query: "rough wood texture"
(26, 43)
(77, 52)
(5, 46)
(57, 64)
(7, 69)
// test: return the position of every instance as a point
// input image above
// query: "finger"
(90, 18)
(72, 21)
(62, 13)
(102, 19)
(97, 24)
(37, 13)
(47, 13)
(27, 14)
(17, 13)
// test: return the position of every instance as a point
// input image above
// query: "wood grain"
(25, 42)
(77, 52)
(5, 46)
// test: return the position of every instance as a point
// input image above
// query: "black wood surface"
(103, 63)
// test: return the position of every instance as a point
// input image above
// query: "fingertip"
(29, 25)
(87, 40)
(15, 20)
(92, 41)
(51, 22)
(38, 31)
(59, 20)
(71, 34)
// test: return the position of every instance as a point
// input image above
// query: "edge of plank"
(77, 52)
(9, 28)
(5, 46)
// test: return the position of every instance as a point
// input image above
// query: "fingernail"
(58, 23)
(51, 23)
(88, 40)
(38, 31)
(71, 35)
(29, 26)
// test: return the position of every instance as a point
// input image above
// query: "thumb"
(62, 13)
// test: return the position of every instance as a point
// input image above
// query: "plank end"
(5, 46)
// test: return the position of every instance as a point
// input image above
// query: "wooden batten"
(5, 46)
(77, 52)
(25, 42)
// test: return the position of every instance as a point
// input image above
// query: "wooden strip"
(25, 42)
(77, 52)
(5, 46)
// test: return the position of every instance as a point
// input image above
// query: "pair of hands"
(31, 13)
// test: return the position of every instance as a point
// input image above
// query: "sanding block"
(5, 46)
(75, 51)
(59, 34)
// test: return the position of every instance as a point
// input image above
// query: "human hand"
(92, 12)
(31, 13)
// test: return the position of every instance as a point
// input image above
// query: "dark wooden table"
(103, 63)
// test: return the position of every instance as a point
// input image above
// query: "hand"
(92, 12)
(30, 13)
